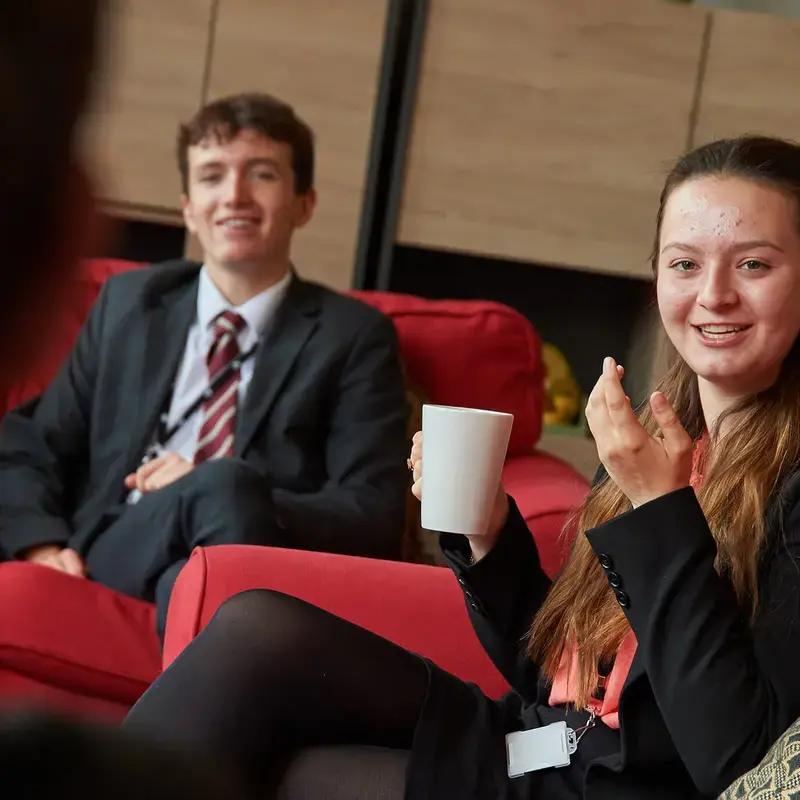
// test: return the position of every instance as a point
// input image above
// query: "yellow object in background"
(562, 393)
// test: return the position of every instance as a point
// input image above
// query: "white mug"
(463, 452)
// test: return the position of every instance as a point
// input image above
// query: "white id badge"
(539, 748)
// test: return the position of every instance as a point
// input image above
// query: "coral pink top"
(607, 709)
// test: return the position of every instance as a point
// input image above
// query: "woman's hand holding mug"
(480, 544)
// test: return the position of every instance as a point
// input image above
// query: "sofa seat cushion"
(76, 635)
(24, 693)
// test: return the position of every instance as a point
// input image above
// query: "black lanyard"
(164, 434)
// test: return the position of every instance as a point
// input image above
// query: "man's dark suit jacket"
(708, 691)
(323, 419)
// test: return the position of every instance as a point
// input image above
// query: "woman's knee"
(266, 616)
(251, 603)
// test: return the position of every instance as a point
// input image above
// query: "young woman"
(670, 640)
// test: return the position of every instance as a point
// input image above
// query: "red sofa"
(74, 644)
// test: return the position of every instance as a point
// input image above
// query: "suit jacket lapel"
(155, 357)
(294, 323)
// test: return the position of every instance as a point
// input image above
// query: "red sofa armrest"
(418, 607)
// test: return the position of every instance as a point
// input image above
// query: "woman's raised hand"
(644, 467)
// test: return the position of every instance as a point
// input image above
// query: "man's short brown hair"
(225, 118)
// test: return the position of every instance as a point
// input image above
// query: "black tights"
(271, 676)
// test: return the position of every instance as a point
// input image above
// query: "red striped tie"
(219, 410)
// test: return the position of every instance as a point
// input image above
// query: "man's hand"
(56, 557)
(158, 473)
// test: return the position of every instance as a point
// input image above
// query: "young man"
(226, 403)
(48, 216)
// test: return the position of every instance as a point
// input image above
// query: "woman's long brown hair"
(761, 446)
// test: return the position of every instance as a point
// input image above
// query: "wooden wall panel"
(322, 57)
(543, 128)
(751, 79)
(153, 79)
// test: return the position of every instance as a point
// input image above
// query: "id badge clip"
(540, 748)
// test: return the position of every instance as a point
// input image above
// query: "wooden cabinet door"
(152, 80)
(543, 128)
(752, 77)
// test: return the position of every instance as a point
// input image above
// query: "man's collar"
(257, 311)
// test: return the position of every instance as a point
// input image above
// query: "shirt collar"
(257, 311)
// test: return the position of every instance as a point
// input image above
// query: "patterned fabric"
(777, 776)
(219, 410)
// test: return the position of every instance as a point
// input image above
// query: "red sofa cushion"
(418, 607)
(74, 636)
(21, 691)
(471, 353)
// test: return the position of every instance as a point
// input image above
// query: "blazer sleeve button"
(605, 561)
(614, 579)
(623, 599)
